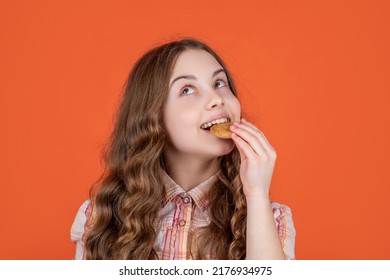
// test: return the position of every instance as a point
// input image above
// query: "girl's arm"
(257, 165)
(262, 237)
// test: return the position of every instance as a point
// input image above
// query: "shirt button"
(186, 199)
(182, 223)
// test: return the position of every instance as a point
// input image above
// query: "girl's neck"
(190, 172)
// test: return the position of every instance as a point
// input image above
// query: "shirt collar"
(198, 193)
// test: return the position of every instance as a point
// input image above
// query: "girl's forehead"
(195, 60)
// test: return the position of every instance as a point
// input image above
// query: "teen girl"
(172, 190)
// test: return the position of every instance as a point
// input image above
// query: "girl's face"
(198, 93)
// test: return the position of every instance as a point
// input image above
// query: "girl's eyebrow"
(192, 77)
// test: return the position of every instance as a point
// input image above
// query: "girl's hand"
(257, 158)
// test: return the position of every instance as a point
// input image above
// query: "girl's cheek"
(235, 105)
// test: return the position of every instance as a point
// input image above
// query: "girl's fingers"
(260, 135)
(249, 138)
(238, 143)
(250, 124)
(243, 147)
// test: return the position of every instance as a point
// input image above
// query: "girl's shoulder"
(285, 227)
(281, 211)
(279, 206)
(78, 226)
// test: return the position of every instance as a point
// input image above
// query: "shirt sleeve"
(78, 229)
(286, 229)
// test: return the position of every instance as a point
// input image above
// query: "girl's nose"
(215, 100)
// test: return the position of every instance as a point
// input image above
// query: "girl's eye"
(220, 83)
(186, 90)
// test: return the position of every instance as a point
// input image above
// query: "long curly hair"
(126, 199)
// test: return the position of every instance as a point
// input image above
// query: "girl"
(172, 190)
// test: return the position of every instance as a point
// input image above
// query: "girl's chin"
(223, 148)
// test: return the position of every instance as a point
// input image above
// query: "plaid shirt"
(182, 213)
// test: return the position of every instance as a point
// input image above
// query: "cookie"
(222, 130)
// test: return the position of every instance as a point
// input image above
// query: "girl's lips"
(208, 131)
(223, 116)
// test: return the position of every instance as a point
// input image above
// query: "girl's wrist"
(258, 198)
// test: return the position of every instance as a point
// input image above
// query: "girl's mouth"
(207, 126)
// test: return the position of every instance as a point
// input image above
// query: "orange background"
(313, 75)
